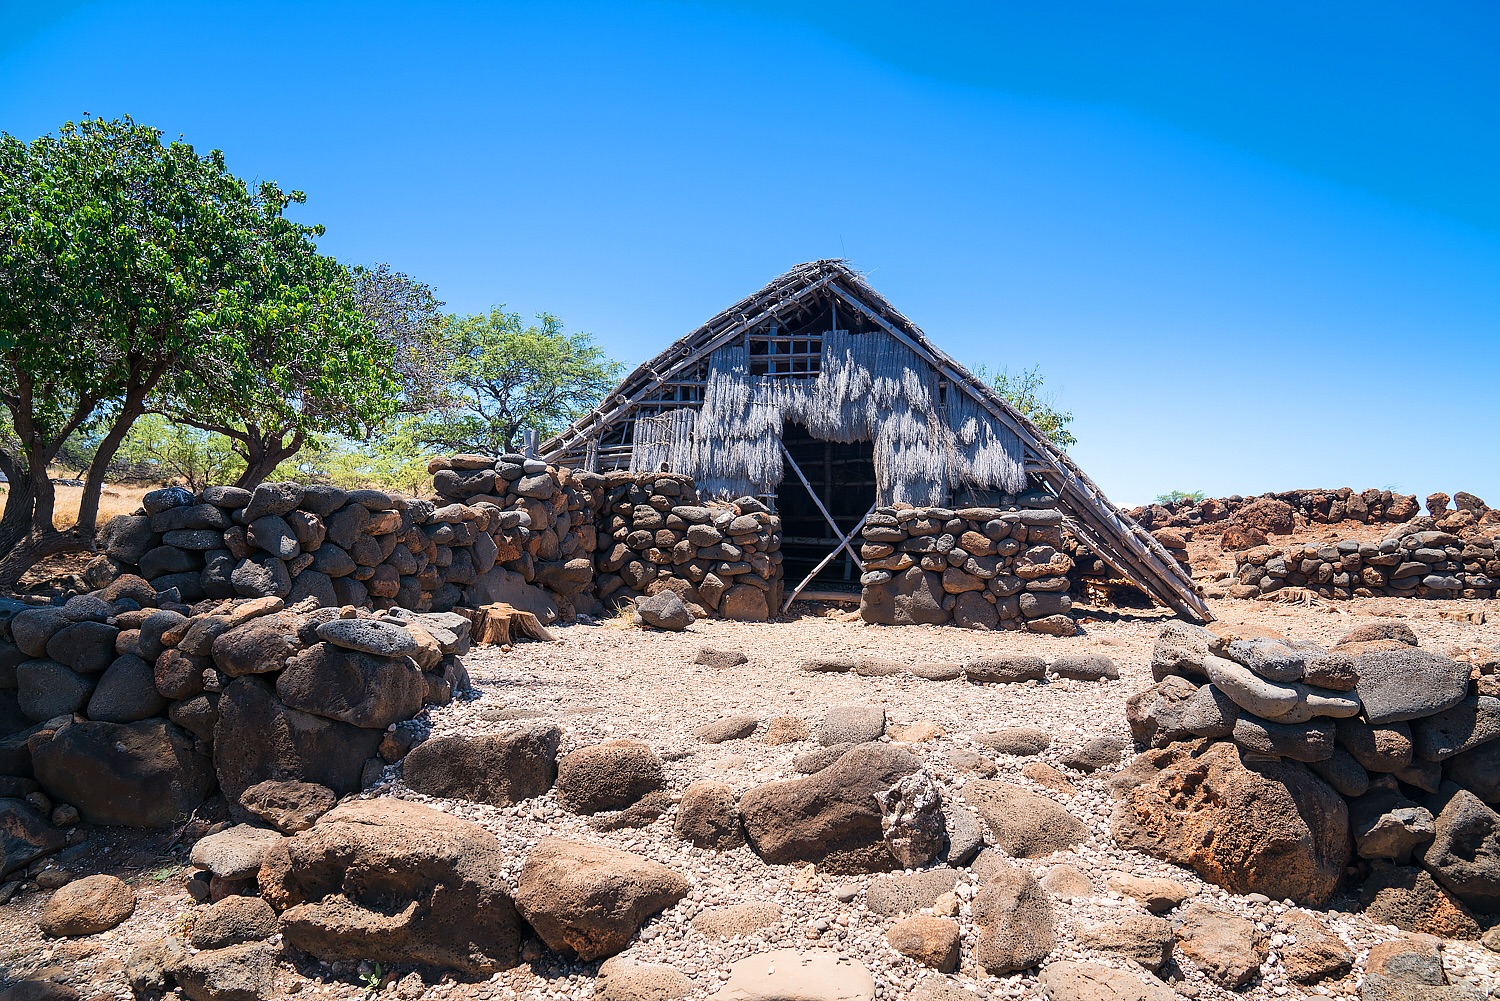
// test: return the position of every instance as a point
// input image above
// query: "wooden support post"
(843, 543)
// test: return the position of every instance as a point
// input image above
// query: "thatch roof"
(979, 434)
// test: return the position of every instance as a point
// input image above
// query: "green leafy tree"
(316, 366)
(409, 318)
(1024, 392)
(504, 376)
(159, 450)
(1177, 496)
(130, 270)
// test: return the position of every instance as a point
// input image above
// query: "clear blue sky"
(1252, 247)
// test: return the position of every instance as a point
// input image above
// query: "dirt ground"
(607, 680)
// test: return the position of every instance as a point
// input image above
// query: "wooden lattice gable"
(663, 398)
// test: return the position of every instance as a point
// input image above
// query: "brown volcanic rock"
(257, 739)
(588, 900)
(1025, 824)
(608, 776)
(830, 817)
(87, 906)
(126, 774)
(499, 769)
(1263, 827)
(1411, 900)
(1225, 946)
(394, 882)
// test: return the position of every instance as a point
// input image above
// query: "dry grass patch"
(113, 500)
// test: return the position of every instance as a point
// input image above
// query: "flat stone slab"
(236, 853)
(1408, 684)
(788, 975)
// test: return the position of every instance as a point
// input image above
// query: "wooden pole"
(843, 543)
(828, 558)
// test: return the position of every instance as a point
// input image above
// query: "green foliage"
(408, 317)
(316, 366)
(504, 376)
(372, 981)
(158, 450)
(1178, 496)
(1023, 392)
(389, 462)
(133, 270)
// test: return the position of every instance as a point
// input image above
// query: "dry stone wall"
(495, 532)
(1412, 562)
(1378, 750)
(123, 707)
(721, 559)
(1315, 506)
(980, 568)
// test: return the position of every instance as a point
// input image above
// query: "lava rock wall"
(981, 568)
(721, 559)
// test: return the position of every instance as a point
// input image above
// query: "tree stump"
(500, 624)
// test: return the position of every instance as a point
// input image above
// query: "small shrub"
(1178, 496)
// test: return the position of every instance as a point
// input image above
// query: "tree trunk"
(20, 501)
(263, 453)
(93, 483)
(35, 547)
(41, 539)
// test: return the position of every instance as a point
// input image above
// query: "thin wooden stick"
(829, 558)
(843, 543)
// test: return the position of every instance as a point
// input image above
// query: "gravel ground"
(606, 680)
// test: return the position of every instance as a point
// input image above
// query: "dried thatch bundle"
(869, 387)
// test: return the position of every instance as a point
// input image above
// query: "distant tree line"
(163, 319)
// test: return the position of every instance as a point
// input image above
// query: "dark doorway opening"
(842, 476)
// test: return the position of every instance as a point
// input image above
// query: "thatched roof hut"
(816, 395)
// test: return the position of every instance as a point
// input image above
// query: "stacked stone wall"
(494, 532)
(1413, 562)
(1315, 506)
(123, 707)
(1390, 752)
(981, 568)
(721, 558)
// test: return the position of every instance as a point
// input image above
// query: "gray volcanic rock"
(352, 687)
(1464, 855)
(46, 689)
(126, 692)
(1017, 925)
(1409, 684)
(1025, 824)
(371, 636)
(1469, 724)
(851, 725)
(271, 499)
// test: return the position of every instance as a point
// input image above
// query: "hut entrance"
(826, 491)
